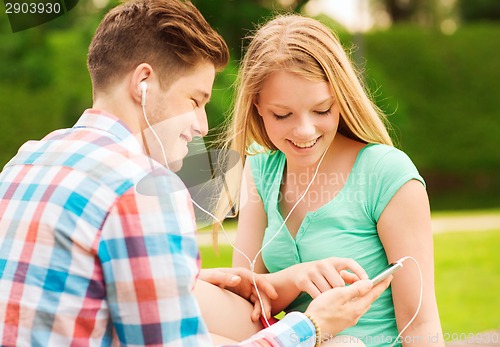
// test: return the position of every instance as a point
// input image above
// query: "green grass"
(467, 278)
(466, 213)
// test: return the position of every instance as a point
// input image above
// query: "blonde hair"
(308, 48)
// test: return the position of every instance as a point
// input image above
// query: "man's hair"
(170, 35)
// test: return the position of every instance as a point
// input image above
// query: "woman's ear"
(257, 106)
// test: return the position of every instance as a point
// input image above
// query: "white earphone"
(144, 87)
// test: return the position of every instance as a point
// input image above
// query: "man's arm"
(150, 260)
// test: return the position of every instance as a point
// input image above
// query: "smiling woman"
(301, 116)
(301, 121)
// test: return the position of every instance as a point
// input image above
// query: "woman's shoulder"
(384, 161)
(377, 153)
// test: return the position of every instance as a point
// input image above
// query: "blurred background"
(431, 65)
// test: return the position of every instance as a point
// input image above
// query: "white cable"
(419, 301)
(252, 262)
(156, 136)
(294, 206)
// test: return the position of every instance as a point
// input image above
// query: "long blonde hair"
(304, 46)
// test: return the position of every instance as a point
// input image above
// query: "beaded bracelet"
(318, 330)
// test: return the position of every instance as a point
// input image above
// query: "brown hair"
(170, 35)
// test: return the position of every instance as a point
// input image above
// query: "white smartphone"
(389, 270)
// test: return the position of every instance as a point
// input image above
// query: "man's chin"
(175, 165)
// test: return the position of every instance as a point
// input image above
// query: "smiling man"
(86, 258)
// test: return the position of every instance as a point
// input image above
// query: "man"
(95, 252)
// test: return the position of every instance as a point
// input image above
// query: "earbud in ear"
(144, 87)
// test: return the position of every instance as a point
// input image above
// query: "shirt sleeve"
(150, 261)
(295, 329)
(389, 174)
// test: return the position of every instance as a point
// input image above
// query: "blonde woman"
(301, 108)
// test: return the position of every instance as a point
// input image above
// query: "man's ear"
(142, 73)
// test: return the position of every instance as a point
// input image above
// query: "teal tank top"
(345, 226)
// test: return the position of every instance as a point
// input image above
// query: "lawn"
(467, 279)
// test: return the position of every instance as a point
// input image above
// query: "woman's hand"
(240, 281)
(318, 276)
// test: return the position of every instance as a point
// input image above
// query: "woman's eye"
(324, 112)
(281, 116)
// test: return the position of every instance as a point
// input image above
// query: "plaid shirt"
(87, 258)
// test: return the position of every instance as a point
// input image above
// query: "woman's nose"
(305, 128)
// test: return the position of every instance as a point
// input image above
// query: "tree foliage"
(479, 10)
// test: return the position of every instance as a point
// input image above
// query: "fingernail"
(234, 278)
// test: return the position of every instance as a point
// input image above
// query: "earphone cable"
(419, 300)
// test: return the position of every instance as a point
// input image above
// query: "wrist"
(317, 338)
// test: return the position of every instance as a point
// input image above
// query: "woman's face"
(300, 116)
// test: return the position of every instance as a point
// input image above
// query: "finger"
(219, 277)
(266, 287)
(349, 277)
(327, 280)
(358, 289)
(266, 302)
(364, 302)
(352, 265)
(256, 312)
(378, 289)
(229, 280)
(311, 289)
(334, 279)
(372, 294)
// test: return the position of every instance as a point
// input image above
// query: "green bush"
(442, 94)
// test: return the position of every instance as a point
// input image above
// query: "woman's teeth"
(305, 144)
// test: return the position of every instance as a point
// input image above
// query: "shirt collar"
(112, 125)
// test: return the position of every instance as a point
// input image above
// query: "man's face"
(178, 114)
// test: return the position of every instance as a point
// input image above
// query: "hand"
(239, 281)
(341, 307)
(319, 276)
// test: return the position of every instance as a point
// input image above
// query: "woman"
(300, 108)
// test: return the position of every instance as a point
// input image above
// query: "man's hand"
(341, 307)
(241, 282)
